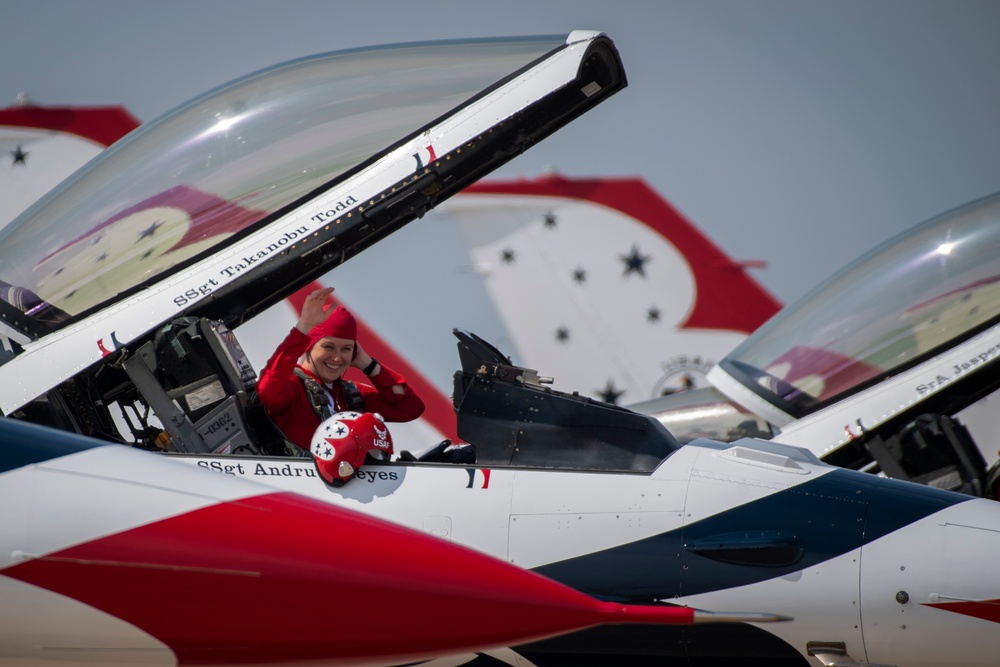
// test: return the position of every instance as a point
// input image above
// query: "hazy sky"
(792, 131)
(797, 132)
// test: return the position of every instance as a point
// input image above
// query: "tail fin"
(605, 286)
(41, 146)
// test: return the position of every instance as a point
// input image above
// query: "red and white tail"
(42, 146)
(605, 286)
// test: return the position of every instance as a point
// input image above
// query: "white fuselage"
(543, 519)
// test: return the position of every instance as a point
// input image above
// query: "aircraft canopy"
(930, 287)
(201, 176)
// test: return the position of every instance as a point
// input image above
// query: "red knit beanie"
(339, 324)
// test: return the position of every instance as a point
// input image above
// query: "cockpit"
(120, 291)
(907, 300)
(199, 383)
(884, 365)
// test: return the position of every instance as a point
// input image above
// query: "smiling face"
(329, 358)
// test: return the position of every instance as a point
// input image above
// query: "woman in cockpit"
(302, 383)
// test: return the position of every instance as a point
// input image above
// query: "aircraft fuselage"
(880, 568)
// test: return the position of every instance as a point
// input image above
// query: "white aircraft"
(889, 365)
(168, 565)
(124, 287)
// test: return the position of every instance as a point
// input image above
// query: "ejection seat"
(197, 379)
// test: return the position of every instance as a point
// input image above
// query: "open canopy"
(232, 201)
(186, 184)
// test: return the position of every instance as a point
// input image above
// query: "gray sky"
(797, 132)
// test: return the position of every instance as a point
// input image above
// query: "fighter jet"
(887, 366)
(168, 565)
(124, 288)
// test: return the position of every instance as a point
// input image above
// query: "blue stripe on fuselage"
(825, 517)
(23, 443)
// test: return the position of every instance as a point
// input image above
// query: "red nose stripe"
(988, 610)
(284, 578)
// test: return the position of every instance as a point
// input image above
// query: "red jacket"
(284, 395)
